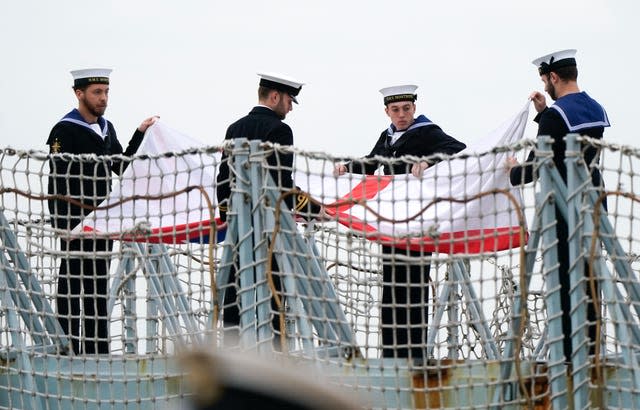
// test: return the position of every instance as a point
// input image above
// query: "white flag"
(177, 218)
(454, 222)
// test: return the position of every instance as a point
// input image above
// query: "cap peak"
(282, 83)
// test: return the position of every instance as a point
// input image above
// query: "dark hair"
(263, 92)
(568, 73)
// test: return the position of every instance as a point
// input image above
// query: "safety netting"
(438, 291)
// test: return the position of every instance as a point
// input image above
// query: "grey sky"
(194, 62)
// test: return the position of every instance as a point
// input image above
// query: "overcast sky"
(194, 63)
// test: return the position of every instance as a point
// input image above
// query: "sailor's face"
(401, 114)
(284, 105)
(95, 98)
(549, 88)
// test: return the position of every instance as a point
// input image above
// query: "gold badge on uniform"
(301, 201)
(55, 147)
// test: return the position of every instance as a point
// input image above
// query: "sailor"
(84, 130)
(573, 111)
(276, 95)
(406, 135)
(405, 287)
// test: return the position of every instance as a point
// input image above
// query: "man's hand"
(539, 101)
(418, 168)
(147, 123)
(510, 163)
(323, 216)
(339, 169)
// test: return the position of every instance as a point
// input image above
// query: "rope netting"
(414, 292)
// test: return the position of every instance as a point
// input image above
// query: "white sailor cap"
(399, 93)
(89, 76)
(553, 61)
(281, 83)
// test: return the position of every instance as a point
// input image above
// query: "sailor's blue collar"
(579, 111)
(420, 121)
(75, 117)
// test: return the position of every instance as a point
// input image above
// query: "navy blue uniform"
(422, 138)
(573, 113)
(87, 181)
(262, 124)
(405, 289)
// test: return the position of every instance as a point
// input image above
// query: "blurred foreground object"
(225, 380)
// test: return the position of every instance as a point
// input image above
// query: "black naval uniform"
(89, 182)
(405, 290)
(574, 113)
(422, 138)
(262, 124)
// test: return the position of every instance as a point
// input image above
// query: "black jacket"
(88, 181)
(551, 123)
(264, 124)
(420, 142)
